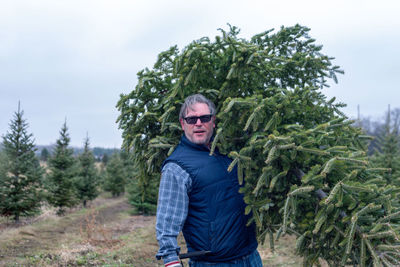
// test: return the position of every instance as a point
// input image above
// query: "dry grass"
(104, 235)
(95, 233)
(284, 254)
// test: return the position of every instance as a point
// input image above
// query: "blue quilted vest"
(216, 220)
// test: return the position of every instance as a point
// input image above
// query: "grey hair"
(193, 99)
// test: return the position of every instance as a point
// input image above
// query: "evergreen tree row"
(64, 181)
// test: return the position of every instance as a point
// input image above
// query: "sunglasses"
(193, 120)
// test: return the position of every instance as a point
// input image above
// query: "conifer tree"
(20, 174)
(302, 164)
(115, 176)
(87, 178)
(142, 190)
(104, 159)
(60, 180)
(44, 154)
(141, 195)
(388, 153)
(2, 158)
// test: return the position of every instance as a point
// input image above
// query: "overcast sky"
(72, 59)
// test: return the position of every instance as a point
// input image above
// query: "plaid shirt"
(172, 209)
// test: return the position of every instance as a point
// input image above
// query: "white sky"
(72, 59)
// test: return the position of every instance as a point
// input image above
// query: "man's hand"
(173, 264)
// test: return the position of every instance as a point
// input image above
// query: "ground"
(104, 234)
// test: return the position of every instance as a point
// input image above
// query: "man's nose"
(198, 122)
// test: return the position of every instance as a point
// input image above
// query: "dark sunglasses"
(193, 120)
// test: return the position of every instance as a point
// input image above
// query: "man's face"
(200, 132)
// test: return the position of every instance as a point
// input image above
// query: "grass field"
(105, 234)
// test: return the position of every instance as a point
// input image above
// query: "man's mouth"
(199, 131)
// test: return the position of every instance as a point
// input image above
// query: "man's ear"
(182, 124)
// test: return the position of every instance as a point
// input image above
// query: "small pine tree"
(86, 181)
(142, 195)
(115, 176)
(60, 186)
(2, 159)
(388, 153)
(44, 154)
(21, 174)
(104, 159)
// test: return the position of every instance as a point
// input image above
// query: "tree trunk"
(16, 218)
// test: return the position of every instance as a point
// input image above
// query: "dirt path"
(103, 223)
(105, 234)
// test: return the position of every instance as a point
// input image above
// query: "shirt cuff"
(172, 264)
(170, 258)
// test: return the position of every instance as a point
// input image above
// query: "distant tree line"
(60, 176)
(378, 127)
(99, 153)
(384, 148)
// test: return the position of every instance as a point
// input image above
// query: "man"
(200, 197)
